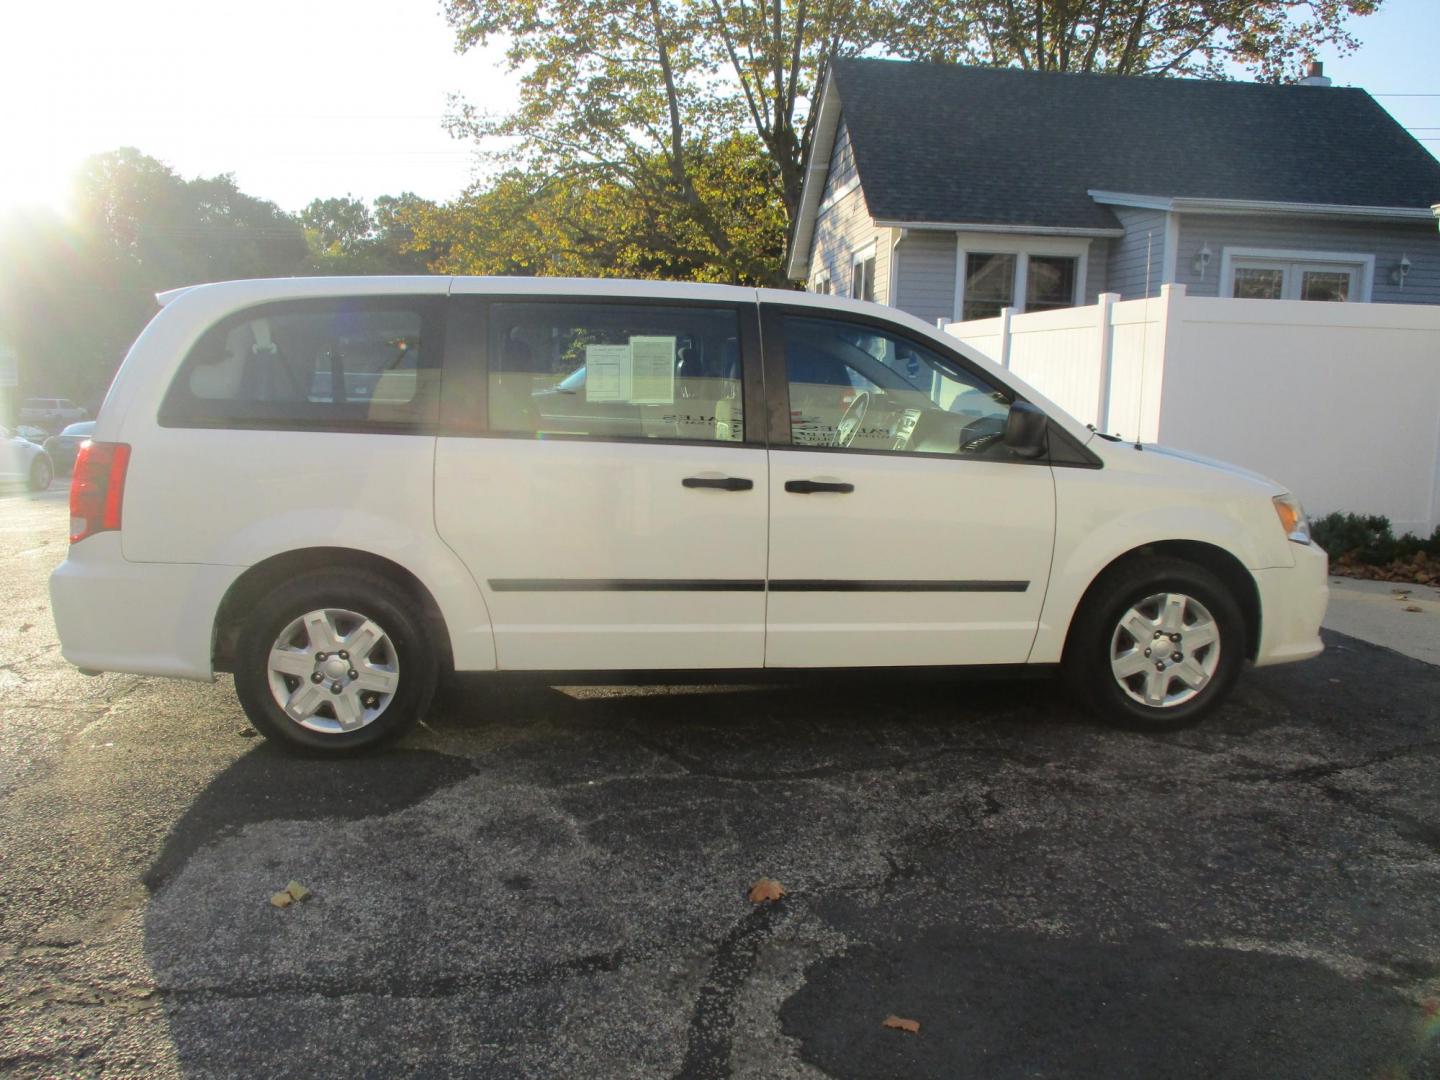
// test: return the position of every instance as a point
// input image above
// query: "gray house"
(952, 192)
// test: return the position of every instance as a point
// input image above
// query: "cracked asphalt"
(550, 882)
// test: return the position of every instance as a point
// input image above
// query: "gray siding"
(844, 227)
(925, 276)
(1420, 243)
(842, 159)
(842, 230)
(1097, 270)
(1126, 270)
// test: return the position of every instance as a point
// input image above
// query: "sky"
(298, 98)
(315, 98)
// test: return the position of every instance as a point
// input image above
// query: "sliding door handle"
(724, 483)
(810, 487)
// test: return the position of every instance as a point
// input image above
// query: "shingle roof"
(944, 143)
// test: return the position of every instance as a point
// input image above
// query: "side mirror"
(1025, 429)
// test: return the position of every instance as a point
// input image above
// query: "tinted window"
(336, 363)
(615, 370)
(854, 386)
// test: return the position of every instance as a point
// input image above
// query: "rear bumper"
(1292, 606)
(141, 618)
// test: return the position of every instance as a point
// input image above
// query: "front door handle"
(724, 483)
(810, 487)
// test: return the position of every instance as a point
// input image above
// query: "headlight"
(1292, 518)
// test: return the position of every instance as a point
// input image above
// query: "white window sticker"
(607, 372)
(653, 370)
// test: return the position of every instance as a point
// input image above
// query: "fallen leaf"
(766, 889)
(247, 733)
(297, 891)
(1413, 607)
(899, 1023)
(291, 894)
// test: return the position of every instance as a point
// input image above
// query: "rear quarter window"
(344, 364)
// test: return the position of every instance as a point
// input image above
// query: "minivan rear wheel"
(1158, 645)
(335, 662)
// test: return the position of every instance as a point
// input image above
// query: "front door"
(902, 530)
(601, 477)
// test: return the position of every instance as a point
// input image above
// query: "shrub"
(1367, 538)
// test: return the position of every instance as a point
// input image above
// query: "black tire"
(42, 473)
(1088, 650)
(377, 598)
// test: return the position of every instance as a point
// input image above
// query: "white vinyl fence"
(1341, 402)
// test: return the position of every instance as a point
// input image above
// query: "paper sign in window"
(607, 372)
(653, 370)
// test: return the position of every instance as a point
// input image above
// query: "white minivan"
(341, 489)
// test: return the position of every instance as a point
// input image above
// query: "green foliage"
(1368, 539)
(348, 237)
(527, 223)
(1272, 39)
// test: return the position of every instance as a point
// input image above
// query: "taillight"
(97, 488)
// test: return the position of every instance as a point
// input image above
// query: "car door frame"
(465, 414)
(1062, 449)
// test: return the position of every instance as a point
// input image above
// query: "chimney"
(1315, 75)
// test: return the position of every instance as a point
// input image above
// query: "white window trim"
(822, 277)
(1364, 264)
(1022, 247)
(857, 257)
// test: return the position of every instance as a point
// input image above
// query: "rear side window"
(351, 364)
(615, 370)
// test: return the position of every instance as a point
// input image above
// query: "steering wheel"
(851, 419)
(980, 435)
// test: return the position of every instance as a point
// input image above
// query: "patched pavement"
(551, 881)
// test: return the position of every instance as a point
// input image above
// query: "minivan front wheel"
(1159, 644)
(335, 662)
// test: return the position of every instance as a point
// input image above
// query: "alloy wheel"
(1165, 650)
(333, 671)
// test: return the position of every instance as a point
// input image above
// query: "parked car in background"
(62, 448)
(50, 413)
(24, 461)
(340, 489)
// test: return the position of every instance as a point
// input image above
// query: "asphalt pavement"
(551, 881)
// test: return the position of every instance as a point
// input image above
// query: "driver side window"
(854, 386)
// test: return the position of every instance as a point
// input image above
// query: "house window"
(862, 276)
(989, 284)
(822, 286)
(1050, 282)
(1249, 274)
(1020, 280)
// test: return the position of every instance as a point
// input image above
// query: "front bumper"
(1292, 606)
(140, 618)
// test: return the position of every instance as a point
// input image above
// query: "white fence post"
(1170, 298)
(1104, 339)
(1005, 314)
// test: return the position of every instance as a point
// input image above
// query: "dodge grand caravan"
(340, 490)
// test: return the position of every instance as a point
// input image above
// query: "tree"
(167, 231)
(338, 226)
(526, 223)
(1271, 39)
(637, 95)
